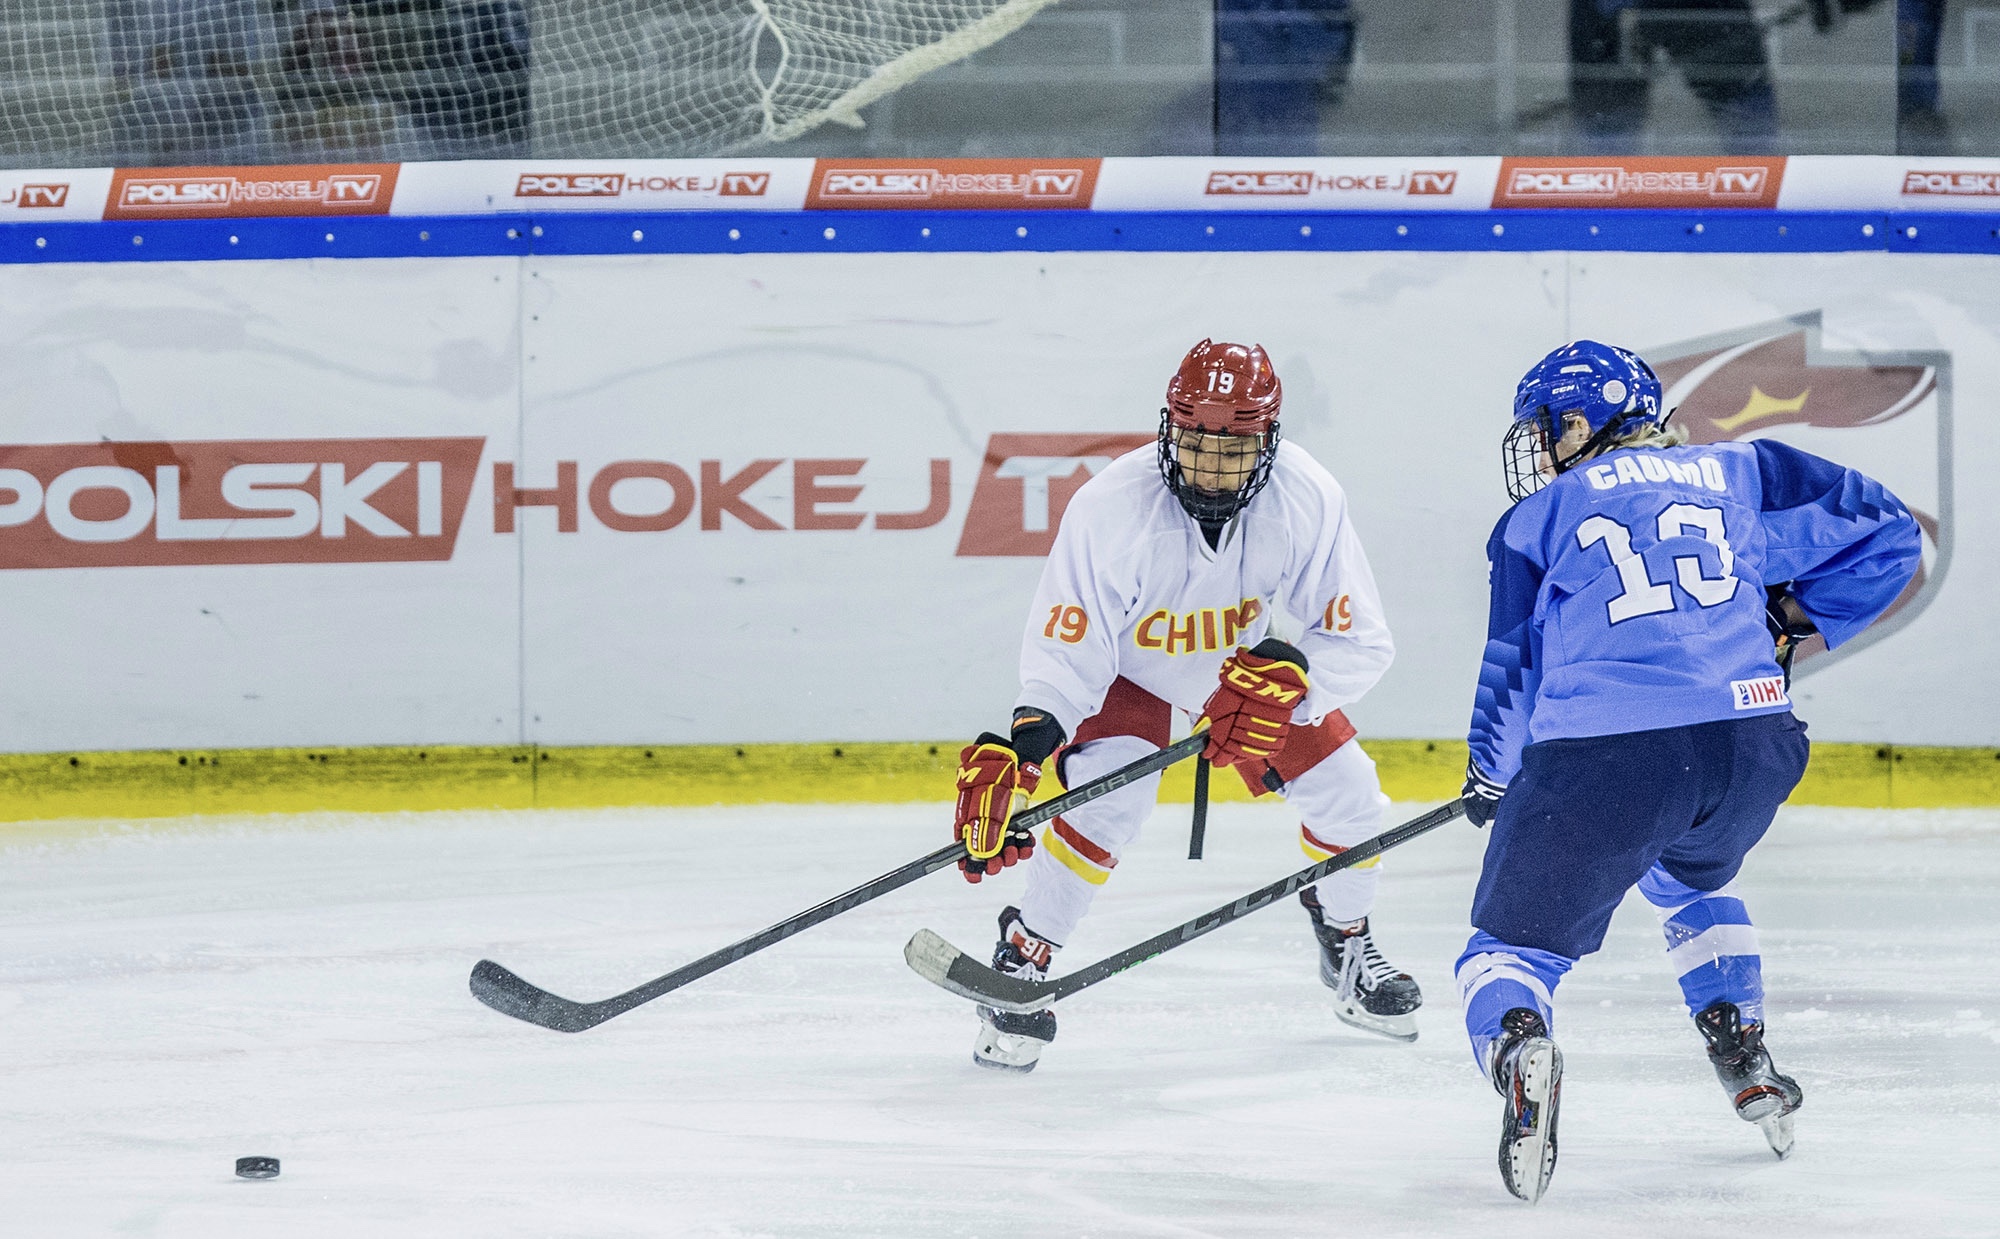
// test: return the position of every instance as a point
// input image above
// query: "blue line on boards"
(810, 232)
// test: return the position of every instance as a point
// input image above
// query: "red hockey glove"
(1250, 713)
(995, 778)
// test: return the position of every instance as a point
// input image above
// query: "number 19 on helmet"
(1219, 429)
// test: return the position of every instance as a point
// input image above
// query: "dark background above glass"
(92, 82)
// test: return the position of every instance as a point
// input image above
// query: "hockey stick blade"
(951, 969)
(507, 993)
(504, 990)
(944, 965)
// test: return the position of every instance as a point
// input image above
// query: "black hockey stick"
(508, 994)
(943, 964)
(1198, 830)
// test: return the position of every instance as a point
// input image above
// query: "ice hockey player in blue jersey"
(1632, 724)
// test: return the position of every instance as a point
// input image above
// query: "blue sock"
(1494, 978)
(1711, 942)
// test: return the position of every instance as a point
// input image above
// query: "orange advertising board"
(1643, 182)
(211, 193)
(953, 184)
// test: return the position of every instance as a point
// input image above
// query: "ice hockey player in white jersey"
(1167, 573)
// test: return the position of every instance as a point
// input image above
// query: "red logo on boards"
(301, 189)
(1025, 483)
(1300, 183)
(570, 185)
(745, 184)
(1952, 184)
(617, 184)
(295, 501)
(29, 197)
(1259, 184)
(1639, 182)
(654, 496)
(977, 184)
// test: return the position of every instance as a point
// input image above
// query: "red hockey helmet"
(1219, 429)
(1225, 389)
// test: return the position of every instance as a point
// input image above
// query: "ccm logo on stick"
(297, 501)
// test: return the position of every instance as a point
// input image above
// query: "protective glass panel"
(149, 82)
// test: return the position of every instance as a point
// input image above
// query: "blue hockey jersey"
(1628, 594)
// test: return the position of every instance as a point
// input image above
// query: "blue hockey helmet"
(1612, 389)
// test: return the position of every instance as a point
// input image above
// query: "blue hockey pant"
(1672, 811)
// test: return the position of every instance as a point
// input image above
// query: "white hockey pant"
(1340, 801)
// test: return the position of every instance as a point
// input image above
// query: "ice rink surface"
(174, 996)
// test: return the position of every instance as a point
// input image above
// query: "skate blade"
(1528, 1160)
(1006, 1051)
(1395, 1027)
(1778, 1134)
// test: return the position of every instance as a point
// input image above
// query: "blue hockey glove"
(1481, 796)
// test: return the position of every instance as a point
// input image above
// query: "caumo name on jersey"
(1644, 466)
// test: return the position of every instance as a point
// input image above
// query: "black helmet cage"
(1209, 505)
(1528, 440)
(1535, 436)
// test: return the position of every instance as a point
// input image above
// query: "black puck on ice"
(257, 1167)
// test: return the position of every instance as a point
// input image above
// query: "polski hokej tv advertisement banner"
(752, 498)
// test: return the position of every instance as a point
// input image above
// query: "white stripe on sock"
(1483, 970)
(1712, 944)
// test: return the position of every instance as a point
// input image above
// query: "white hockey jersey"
(1132, 589)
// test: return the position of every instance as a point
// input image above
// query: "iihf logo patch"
(1757, 694)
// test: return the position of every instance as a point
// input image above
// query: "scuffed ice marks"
(296, 986)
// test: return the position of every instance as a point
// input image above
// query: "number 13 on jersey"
(1639, 594)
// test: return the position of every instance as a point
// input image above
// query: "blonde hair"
(1645, 434)
(1650, 434)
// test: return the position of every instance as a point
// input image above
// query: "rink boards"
(526, 514)
(123, 785)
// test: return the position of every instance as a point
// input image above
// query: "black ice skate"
(1760, 1093)
(1370, 993)
(1009, 1041)
(1528, 1070)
